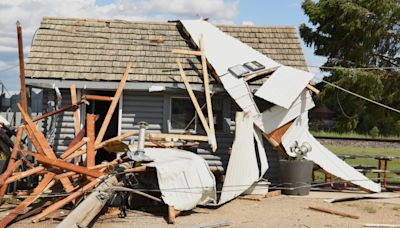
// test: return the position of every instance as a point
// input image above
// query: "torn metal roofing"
(87, 49)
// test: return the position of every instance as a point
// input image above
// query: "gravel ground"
(280, 211)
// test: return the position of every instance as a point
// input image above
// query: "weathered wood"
(97, 98)
(74, 101)
(113, 105)
(24, 99)
(206, 80)
(37, 134)
(30, 199)
(335, 212)
(186, 52)
(74, 148)
(64, 165)
(193, 98)
(59, 204)
(90, 131)
(177, 136)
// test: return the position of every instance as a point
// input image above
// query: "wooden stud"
(186, 52)
(97, 98)
(10, 169)
(193, 98)
(207, 92)
(250, 76)
(37, 134)
(74, 101)
(59, 204)
(113, 105)
(24, 99)
(176, 136)
(63, 109)
(312, 88)
(90, 131)
(335, 212)
(74, 148)
(30, 199)
(21, 175)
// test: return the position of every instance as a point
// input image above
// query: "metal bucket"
(296, 176)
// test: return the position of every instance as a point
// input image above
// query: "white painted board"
(284, 86)
(222, 50)
(321, 156)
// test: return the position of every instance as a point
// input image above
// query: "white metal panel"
(183, 177)
(323, 157)
(222, 50)
(284, 86)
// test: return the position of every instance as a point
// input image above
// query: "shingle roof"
(100, 49)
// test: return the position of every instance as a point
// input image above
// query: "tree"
(358, 34)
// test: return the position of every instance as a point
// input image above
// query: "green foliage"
(358, 33)
(374, 132)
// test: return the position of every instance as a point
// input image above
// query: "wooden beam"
(63, 109)
(90, 132)
(59, 204)
(97, 98)
(312, 88)
(206, 80)
(74, 148)
(24, 99)
(74, 101)
(276, 135)
(193, 98)
(10, 169)
(21, 175)
(177, 136)
(64, 165)
(186, 52)
(30, 199)
(113, 104)
(250, 76)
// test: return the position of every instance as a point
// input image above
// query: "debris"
(334, 212)
(381, 225)
(213, 224)
(273, 193)
(382, 195)
(250, 197)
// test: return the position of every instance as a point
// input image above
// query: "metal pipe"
(142, 136)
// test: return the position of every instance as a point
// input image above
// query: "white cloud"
(247, 23)
(30, 13)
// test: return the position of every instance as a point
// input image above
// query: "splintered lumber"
(177, 136)
(113, 105)
(97, 98)
(334, 212)
(88, 209)
(74, 101)
(61, 203)
(186, 52)
(21, 175)
(24, 100)
(30, 199)
(37, 134)
(64, 165)
(74, 148)
(90, 131)
(207, 92)
(193, 98)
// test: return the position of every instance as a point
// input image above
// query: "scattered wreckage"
(157, 168)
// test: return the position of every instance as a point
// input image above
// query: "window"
(183, 114)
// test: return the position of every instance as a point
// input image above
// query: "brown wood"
(186, 52)
(74, 148)
(64, 165)
(6, 175)
(250, 197)
(63, 109)
(265, 72)
(90, 131)
(97, 98)
(30, 199)
(59, 204)
(335, 212)
(74, 101)
(37, 134)
(277, 134)
(312, 88)
(66, 183)
(273, 193)
(24, 99)
(113, 104)
(177, 136)
(33, 140)
(21, 175)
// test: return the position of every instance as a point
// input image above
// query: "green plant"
(374, 132)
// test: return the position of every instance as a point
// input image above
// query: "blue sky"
(267, 12)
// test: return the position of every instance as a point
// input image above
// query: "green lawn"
(351, 135)
(392, 165)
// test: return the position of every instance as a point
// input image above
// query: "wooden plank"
(186, 52)
(63, 109)
(273, 193)
(177, 136)
(59, 204)
(30, 199)
(335, 212)
(74, 148)
(113, 105)
(6, 175)
(312, 88)
(67, 184)
(90, 131)
(252, 75)
(97, 98)
(193, 98)
(74, 101)
(276, 135)
(206, 80)
(64, 165)
(37, 134)
(24, 100)
(21, 175)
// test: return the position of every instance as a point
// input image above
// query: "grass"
(352, 135)
(370, 209)
(392, 165)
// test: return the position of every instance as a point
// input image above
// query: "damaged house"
(92, 54)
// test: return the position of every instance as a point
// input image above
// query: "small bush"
(374, 132)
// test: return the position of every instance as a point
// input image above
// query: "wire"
(8, 68)
(362, 97)
(354, 68)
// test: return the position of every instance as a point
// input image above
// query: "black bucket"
(296, 176)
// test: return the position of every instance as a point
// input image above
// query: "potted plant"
(296, 172)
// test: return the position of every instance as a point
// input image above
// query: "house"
(92, 54)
